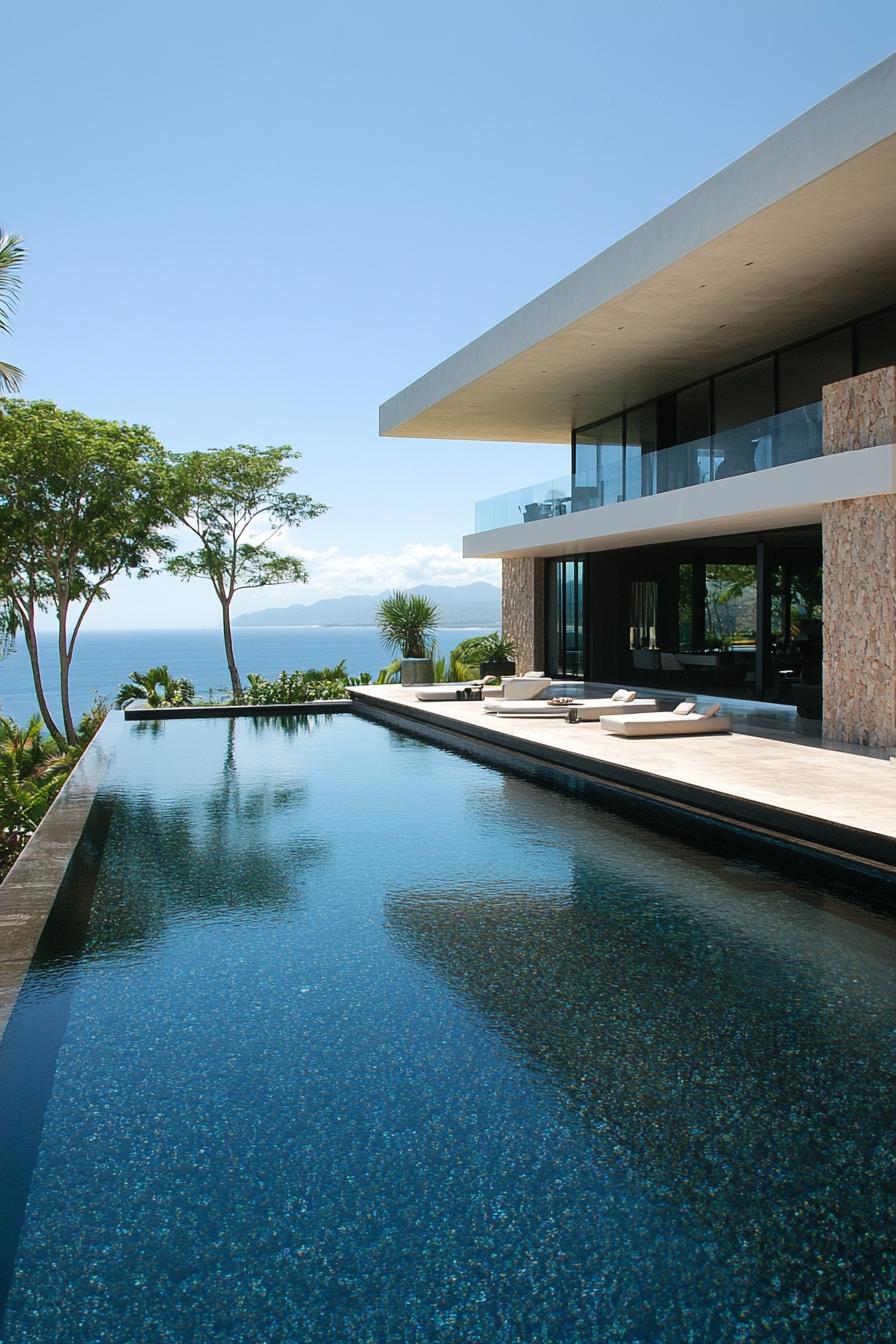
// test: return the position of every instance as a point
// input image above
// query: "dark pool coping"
(30, 888)
(238, 711)
(854, 854)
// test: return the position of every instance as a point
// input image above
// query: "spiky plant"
(407, 622)
(157, 687)
(12, 256)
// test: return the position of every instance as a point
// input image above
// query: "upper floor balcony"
(631, 472)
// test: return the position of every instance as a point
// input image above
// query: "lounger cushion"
(686, 707)
(624, 697)
(590, 710)
(446, 690)
(665, 725)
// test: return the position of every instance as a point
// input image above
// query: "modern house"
(725, 378)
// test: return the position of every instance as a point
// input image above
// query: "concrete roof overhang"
(792, 238)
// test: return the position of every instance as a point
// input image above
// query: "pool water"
(340, 1036)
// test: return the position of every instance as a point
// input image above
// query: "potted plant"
(408, 623)
(497, 656)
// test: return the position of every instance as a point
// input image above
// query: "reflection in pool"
(346, 1037)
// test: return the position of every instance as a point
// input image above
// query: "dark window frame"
(774, 354)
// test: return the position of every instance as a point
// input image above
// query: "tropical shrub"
(92, 721)
(300, 687)
(32, 771)
(495, 648)
(465, 658)
(157, 687)
(407, 622)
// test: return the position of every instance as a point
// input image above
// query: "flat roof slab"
(793, 237)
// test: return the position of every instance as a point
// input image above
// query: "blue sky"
(254, 223)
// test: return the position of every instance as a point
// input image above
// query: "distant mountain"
(471, 604)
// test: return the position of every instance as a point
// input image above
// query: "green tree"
(12, 255)
(233, 500)
(82, 501)
(407, 622)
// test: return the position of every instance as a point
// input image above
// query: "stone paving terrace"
(844, 801)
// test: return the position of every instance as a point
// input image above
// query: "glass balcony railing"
(630, 473)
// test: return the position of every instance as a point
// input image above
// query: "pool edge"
(865, 856)
(30, 888)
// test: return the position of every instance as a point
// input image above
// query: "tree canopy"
(235, 503)
(83, 500)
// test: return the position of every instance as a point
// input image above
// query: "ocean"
(104, 659)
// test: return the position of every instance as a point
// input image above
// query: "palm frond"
(12, 257)
(10, 377)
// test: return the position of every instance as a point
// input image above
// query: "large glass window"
(692, 413)
(686, 605)
(682, 464)
(805, 370)
(599, 465)
(564, 613)
(876, 342)
(730, 606)
(640, 450)
(700, 433)
(745, 395)
(642, 614)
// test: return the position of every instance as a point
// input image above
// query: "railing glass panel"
(630, 473)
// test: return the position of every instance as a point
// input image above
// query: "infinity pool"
(336, 1036)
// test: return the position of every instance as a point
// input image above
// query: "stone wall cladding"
(859, 542)
(859, 545)
(860, 412)
(522, 609)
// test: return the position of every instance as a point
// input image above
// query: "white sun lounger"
(683, 721)
(579, 711)
(446, 690)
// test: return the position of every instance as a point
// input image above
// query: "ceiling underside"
(819, 256)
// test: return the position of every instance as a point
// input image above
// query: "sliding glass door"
(564, 614)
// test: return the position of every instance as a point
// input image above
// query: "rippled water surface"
(343, 1037)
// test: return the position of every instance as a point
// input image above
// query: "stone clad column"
(859, 547)
(522, 609)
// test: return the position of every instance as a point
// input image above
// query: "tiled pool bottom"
(362, 1041)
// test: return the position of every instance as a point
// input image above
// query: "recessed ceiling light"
(722, 324)
(620, 328)
(702, 286)
(748, 263)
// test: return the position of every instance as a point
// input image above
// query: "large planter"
(416, 672)
(502, 667)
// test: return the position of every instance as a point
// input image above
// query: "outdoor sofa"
(527, 687)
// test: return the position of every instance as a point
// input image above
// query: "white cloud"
(334, 573)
